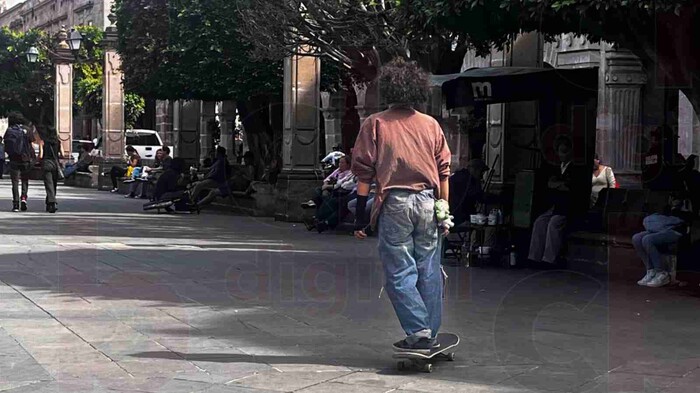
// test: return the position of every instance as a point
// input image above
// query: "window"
(142, 140)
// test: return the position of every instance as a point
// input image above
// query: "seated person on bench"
(466, 190)
(569, 190)
(134, 181)
(329, 184)
(335, 207)
(85, 159)
(216, 181)
(243, 177)
(170, 186)
(119, 171)
(661, 231)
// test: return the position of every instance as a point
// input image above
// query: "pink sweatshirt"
(402, 149)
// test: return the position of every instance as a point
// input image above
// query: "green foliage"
(29, 88)
(190, 50)
(25, 87)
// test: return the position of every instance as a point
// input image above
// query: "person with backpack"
(18, 146)
(49, 154)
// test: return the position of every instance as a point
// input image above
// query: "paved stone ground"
(102, 297)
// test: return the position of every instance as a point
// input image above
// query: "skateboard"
(424, 362)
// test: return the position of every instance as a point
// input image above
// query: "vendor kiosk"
(566, 103)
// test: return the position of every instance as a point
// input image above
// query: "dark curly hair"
(403, 82)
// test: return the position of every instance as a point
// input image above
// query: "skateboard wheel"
(451, 357)
(428, 368)
(401, 366)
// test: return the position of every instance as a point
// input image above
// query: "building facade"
(50, 15)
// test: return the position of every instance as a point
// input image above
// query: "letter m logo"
(482, 91)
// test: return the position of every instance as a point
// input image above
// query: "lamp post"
(32, 55)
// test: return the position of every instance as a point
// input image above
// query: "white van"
(146, 142)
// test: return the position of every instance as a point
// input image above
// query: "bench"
(621, 215)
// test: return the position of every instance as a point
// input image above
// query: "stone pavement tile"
(149, 367)
(431, 385)
(236, 389)
(156, 385)
(288, 381)
(554, 378)
(386, 380)
(337, 387)
(626, 383)
(660, 367)
(219, 372)
(125, 349)
(104, 331)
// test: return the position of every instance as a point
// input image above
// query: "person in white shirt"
(603, 177)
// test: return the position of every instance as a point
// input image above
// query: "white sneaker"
(659, 280)
(649, 276)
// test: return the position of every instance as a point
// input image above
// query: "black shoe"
(423, 345)
(130, 196)
(15, 206)
(321, 226)
(23, 205)
(310, 224)
(52, 208)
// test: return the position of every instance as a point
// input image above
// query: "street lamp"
(75, 40)
(32, 54)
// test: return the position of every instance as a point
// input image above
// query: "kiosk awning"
(507, 84)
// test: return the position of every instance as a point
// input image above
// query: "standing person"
(405, 153)
(566, 190)
(18, 146)
(2, 158)
(49, 153)
(603, 177)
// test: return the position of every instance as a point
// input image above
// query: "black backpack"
(17, 145)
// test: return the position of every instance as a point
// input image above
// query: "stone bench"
(84, 179)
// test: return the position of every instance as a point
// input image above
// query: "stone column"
(619, 128)
(113, 97)
(301, 171)
(333, 108)
(368, 99)
(63, 92)
(112, 105)
(206, 114)
(227, 117)
(164, 121)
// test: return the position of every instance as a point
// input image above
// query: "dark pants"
(333, 208)
(19, 171)
(2, 166)
(50, 172)
(115, 173)
(136, 185)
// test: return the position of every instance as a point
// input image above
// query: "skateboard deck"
(424, 361)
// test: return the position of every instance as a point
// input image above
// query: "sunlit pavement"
(103, 297)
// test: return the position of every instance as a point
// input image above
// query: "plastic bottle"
(513, 258)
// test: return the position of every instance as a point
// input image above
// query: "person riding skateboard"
(405, 153)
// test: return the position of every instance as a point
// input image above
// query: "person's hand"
(445, 231)
(360, 235)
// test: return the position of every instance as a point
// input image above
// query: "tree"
(26, 87)
(29, 88)
(357, 34)
(181, 49)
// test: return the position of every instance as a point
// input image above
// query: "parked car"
(146, 142)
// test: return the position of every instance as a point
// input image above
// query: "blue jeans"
(649, 245)
(409, 247)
